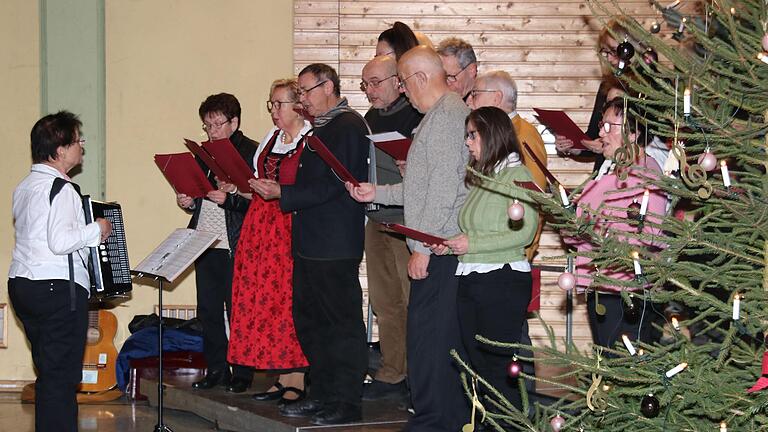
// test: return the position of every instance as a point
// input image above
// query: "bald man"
(386, 252)
(432, 193)
(498, 89)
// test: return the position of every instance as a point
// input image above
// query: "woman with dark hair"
(263, 334)
(609, 197)
(396, 41)
(494, 274)
(607, 45)
(48, 282)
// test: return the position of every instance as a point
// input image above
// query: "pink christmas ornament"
(516, 211)
(765, 42)
(514, 368)
(566, 281)
(557, 423)
(708, 161)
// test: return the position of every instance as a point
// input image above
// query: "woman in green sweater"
(494, 274)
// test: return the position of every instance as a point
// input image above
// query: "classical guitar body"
(100, 354)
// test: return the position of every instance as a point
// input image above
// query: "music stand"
(164, 264)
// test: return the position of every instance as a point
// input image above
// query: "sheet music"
(176, 253)
(386, 136)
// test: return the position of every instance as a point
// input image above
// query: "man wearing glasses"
(432, 192)
(460, 64)
(327, 245)
(386, 252)
(221, 213)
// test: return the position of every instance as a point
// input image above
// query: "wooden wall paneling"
(547, 45)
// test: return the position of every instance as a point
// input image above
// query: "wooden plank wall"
(547, 45)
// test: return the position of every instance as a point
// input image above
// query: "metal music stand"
(164, 264)
(160, 426)
(569, 309)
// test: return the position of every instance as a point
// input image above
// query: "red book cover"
(392, 143)
(414, 234)
(541, 165)
(529, 185)
(207, 160)
(535, 303)
(559, 123)
(228, 158)
(184, 174)
(317, 145)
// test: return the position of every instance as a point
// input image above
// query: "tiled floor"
(117, 416)
(122, 416)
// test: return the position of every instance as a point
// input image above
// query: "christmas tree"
(708, 97)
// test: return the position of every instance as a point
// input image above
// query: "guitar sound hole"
(93, 335)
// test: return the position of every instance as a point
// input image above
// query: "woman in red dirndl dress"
(262, 334)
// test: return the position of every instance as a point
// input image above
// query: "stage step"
(240, 413)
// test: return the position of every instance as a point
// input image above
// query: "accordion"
(108, 262)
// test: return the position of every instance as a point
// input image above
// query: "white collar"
(512, 160)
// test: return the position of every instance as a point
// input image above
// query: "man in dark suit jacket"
(328, 233)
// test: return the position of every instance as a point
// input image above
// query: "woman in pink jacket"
(612, 198)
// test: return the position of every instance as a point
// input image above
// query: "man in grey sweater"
(432, 192)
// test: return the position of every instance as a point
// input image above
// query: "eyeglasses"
(212, 126)
(81, 141)
(455, 77)
(303, 92)
(401, 82)
(607, 126)
(470, 134)
(474, 92)
(606, 52)
(375, 83)
(275, 105)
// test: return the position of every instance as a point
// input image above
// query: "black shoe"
(338, 413)
(305, 408)
(238, 385)
(300, 396)
(376, 390)
(270, 395)
(211, 380)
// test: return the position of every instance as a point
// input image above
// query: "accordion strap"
(58, 184)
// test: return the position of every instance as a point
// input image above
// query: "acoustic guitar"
(100, 354)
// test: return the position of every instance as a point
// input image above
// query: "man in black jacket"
(221, 213)
(328, 232)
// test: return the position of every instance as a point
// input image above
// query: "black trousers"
(607, 329)
(494, 305)
(433, 330)
(213, 276)
(328, 316)
(57, 338)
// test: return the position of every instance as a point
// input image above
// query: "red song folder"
(559, 123)
(207, 160)
(317, 145)
(228, 158)
(184, 174)
(392, 143)
(529, 185)
(548, 174)
(414, 234)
